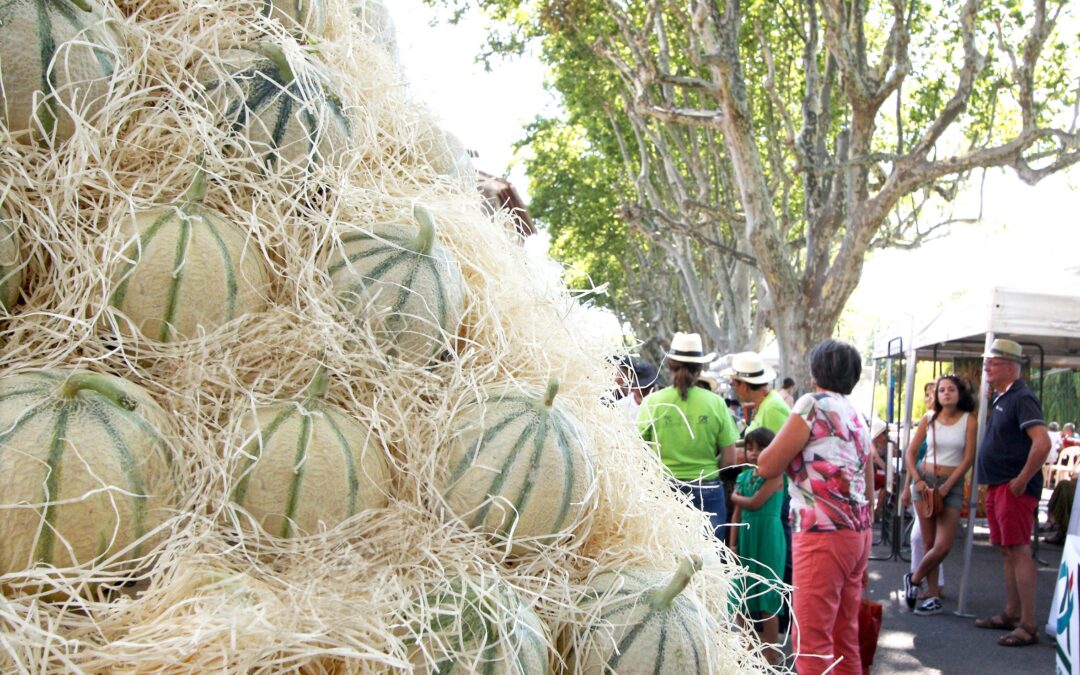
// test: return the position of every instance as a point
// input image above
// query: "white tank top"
(950, 442)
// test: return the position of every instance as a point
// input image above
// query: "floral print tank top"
(828, 478)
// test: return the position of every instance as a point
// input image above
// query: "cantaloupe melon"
(518, 466)
(11, 262)
(309, 465)
(479, 625)
(55, 55)
(187, 268)
(84, 468)
(402, 277)
(642, 622)
(283, 109)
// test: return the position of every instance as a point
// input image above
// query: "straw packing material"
(11, 262)
(341, 591)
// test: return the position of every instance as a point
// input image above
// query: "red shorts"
(1011, 518)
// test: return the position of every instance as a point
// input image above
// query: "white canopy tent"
(1046, 324)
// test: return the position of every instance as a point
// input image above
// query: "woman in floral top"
(824, 447)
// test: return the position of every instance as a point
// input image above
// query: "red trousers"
(827, 575)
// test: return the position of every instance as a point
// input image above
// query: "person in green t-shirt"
(691, 429)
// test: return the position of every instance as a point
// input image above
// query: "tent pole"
(973, 497)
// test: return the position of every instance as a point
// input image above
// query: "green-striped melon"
(297, 15)
(403, 279)
(56, 56)
(643, 621)
(187, 267)
(283, 110)
(518, 466)
(477, 625)
(308, 465)
(85, 468)
(11, 263)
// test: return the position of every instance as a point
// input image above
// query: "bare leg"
(770, 635)
(1012, 596)
(1021, 588)
(944, 536)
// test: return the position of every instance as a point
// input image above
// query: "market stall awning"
(1047, 321)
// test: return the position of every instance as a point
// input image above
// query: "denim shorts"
(953, 500)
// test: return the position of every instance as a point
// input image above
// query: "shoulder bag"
(930, 505)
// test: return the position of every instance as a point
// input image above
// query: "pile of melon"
(277, 395)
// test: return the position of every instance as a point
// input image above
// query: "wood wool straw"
(217, 594)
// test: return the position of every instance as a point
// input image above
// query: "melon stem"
(197, 192)
(552, 390)
(277, 56)
(665, 596)
(99, 384)
(426, 239)
(320, 382)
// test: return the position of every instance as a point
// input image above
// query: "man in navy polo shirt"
(1011, 455)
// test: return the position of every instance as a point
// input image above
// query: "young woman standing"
(949, 431)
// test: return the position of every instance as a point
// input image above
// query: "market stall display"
(223, 159)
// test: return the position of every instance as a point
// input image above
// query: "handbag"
(931, 504)
(869, 629)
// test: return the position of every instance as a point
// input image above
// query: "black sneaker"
(911, 591)
(929, 606)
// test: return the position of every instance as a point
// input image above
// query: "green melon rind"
(317, 417)
(544, 429)
(256, 84)
(88, 412)
(392, 265)
(465, 624)
(56, 23)
(184, 217)
(632, 611)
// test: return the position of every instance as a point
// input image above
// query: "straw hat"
(686, 347)
(749, 367)
(1005, 349)
(714, 386)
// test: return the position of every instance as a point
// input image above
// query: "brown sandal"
(997, 622)
(1021, 636)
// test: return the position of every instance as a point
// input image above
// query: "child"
(760, 540)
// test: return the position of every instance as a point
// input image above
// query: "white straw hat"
(877, 427)
(686, 347)
(749, 367)
(1005, 349)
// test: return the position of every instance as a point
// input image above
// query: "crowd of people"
(792, 488)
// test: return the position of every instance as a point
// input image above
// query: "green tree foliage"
(771, 144)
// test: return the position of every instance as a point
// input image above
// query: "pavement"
(946, 642)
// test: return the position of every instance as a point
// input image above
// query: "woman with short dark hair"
(825, 449)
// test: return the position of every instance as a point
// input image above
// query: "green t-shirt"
(688, 434)
(771, 413)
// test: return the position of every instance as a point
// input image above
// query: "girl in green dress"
(760, 540)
